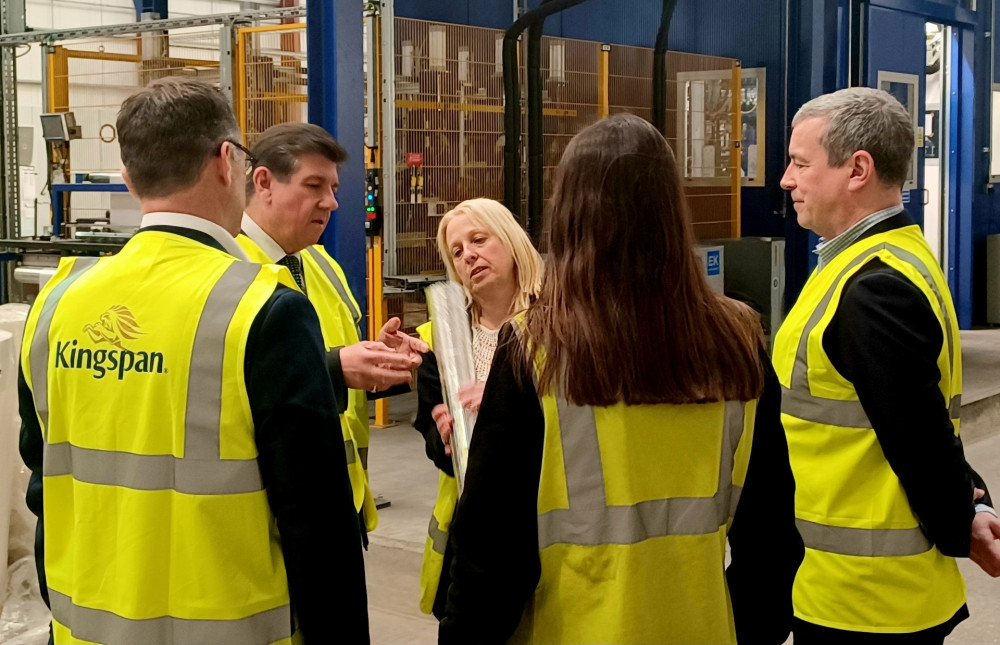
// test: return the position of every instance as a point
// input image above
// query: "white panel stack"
(16, 538)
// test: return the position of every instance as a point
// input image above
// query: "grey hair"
(862, 118)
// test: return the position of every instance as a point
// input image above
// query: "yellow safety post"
(736, 145)
(376, 314)
(603, 81)
(376, 298)
(58, 79)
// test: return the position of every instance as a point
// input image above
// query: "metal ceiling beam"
(56, 35)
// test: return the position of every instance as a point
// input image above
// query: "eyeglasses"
(251, 160)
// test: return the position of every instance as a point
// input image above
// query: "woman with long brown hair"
(629, 426)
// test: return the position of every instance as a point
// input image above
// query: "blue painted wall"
(495, 14)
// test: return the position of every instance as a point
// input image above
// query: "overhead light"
(463, 64)
(498, 56)
(557, 61)
(407, 67)
(438, 48)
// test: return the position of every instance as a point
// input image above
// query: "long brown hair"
(624, 313)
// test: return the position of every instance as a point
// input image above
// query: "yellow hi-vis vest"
(444, 512)
(631, 550)
(157, 525)
(339, 319)
(868, 566)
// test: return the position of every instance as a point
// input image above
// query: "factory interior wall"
(752, 30)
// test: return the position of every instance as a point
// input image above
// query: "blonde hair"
(494, 218)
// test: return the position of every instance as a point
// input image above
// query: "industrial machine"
(755, 274)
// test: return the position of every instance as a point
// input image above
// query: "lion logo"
(117, 324)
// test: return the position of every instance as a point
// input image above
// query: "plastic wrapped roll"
(453, 347)
(16, 538)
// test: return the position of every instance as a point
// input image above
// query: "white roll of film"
(446, 305)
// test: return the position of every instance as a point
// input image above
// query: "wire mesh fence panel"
(271, 78)
(449, 137)
(703, 129)
(630, 81)
(571, 89)
(699, 125)
(449, 129)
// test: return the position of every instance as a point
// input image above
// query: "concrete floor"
(401, 473)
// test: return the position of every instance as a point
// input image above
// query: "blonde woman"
(490, 255)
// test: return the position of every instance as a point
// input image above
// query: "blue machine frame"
(58, 190)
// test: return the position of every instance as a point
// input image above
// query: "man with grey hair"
(871, 370)
(177, 410)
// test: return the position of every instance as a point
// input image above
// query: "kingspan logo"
(116, 326)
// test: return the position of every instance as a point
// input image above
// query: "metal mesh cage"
(270, 75)
(693, 125)
(449, 128)
(449, 131)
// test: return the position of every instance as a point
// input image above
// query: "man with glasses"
(177, 410)
(290, 193)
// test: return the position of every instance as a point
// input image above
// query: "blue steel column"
(334, 38)
(963, 146)
(150, 6)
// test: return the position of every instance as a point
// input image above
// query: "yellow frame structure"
(57, 79)
(239, 67)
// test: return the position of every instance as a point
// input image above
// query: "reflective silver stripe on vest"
(39, 356)
(151, 472)
(363, 455)
(798, 400)
(590, 521)
(439, 538)
(332, 276)
(349, 449)
(201, 471)
(204, 395)
(103, 626)
(862, 542)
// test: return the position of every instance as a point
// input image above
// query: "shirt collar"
(259, 236)
(829, 249)
(195, 223)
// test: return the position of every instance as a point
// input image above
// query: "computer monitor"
(59, 126)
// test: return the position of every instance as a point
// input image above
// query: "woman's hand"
(471, 396)
(444, 423)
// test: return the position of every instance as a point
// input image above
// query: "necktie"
(295, 266)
